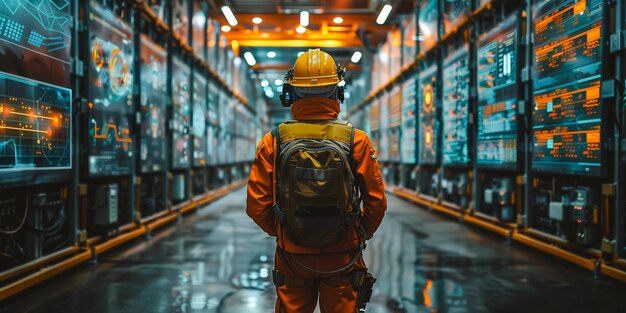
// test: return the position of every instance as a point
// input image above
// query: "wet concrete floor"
(218, 261)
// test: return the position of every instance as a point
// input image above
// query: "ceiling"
(277, 32)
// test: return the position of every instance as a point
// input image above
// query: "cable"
(19, 227)
(55, 227)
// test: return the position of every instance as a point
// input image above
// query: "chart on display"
(567, 112)
(428, 124)
(199, 120)
(427, 23)
(409, 127)
(110, 143)
(153, 83)
(35, 125)
(181, 109)
(455, 12)
(180, 19)
(456, 82)
(496, 141)
(35, 40)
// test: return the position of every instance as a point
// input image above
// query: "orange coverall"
(336, 294)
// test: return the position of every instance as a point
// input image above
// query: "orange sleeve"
(261, 187)
(370, 183)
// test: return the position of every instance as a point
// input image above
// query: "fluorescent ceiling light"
(230, 17)
(249, 58)
(356, 56)
(384, 14)
(257, 20)
(304, 18)
(338, 20)
(278, 82)
(265, 83)
(301, 30)
(300, 53)
(271, 54)
(225, 28)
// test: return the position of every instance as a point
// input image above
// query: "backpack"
(317, 195)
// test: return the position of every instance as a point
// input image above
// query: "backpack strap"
(275, 207)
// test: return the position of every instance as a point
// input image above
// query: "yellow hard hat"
(315, 68)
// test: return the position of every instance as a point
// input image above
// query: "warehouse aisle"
(218, 261)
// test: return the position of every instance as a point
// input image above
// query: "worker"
(305, 188)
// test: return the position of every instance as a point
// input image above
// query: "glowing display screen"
(35, 125)
(454, 13)
(497, 96)
(456, 80)
(408, 139)
(35, 39)
(35, 105)
(181, 109)
(110, 143)
(428, 124)
(199, 119)
(427, 22)
(567, 113)
(153, 83)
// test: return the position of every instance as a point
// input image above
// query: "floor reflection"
(219, 261)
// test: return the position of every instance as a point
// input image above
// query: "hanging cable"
(22, 222)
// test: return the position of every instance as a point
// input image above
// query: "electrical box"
(107, 205)
(179, 188)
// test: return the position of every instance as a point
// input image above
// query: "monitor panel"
(455, 12)
(456, 81)
(427, 23)
(567, 111)
(181, 114)
(110, 145)
(496, 141)
(153, 115)
(409, 127)
(428, 125)
(199, 119)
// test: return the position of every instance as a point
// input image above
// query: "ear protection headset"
(288, 97)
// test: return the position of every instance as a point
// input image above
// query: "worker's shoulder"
(360, 136)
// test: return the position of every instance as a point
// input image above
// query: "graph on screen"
(567, 112)
(35, 125)
(153, 83)
(409, 127)
(199, 120)
(35, 37)
(497, 96)
(428, 124)
(181, 108)
(110, 143)
(456, 81)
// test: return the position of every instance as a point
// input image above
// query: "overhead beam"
(280, 18)
(301, 43)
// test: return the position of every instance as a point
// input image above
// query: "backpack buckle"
(279, 214)
(277, 278)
